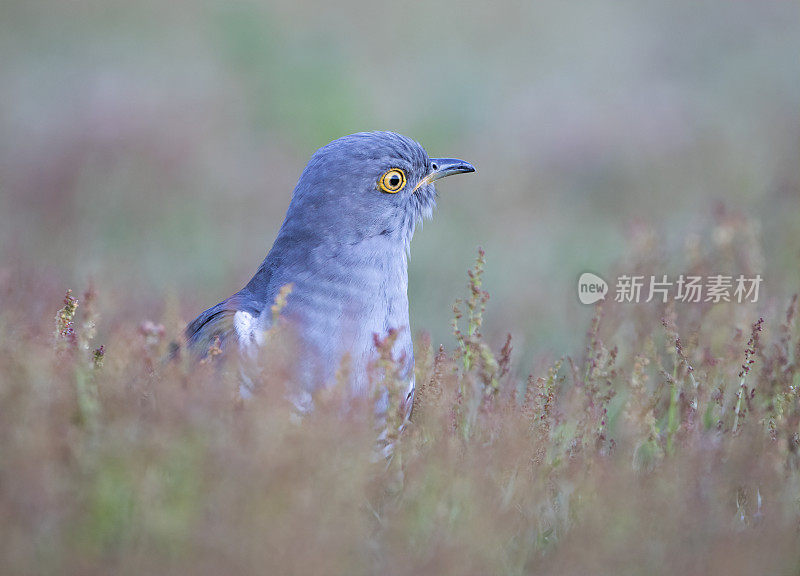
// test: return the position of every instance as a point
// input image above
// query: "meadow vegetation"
(668, 445)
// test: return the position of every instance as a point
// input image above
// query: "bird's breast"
(340, 303)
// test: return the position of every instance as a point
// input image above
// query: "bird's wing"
(225, 321)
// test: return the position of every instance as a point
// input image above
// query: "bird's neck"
(369, 270)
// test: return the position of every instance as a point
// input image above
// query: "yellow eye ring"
(392, 181)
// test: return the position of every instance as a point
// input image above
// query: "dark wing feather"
(217, 322)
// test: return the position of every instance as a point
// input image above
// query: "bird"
(343, 250)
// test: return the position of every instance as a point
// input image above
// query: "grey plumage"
(344, 247)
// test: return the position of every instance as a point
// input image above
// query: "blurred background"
(152, 147)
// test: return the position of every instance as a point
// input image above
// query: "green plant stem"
(672, 413)
(738, 409)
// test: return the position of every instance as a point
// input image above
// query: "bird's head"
(368, 184)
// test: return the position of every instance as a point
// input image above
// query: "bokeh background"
(152, 147)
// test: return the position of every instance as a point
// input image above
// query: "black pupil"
(394, 180)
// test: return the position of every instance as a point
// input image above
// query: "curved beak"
(441, 167)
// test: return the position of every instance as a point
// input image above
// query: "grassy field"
(668, 446)
(147, 156)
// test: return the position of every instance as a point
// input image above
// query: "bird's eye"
(392, 181)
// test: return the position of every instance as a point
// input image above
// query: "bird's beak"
(441, 167)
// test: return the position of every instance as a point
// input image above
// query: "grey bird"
(343, 247)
